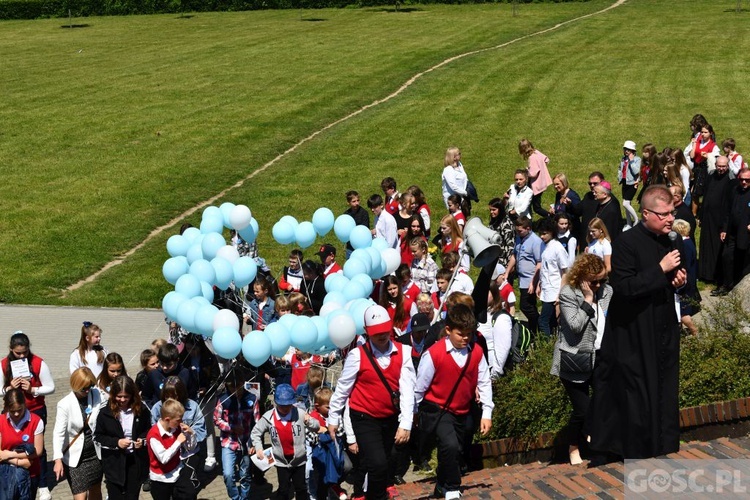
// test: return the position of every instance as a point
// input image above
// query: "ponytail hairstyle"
(87, 330)
(18, 339)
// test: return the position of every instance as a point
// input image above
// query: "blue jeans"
(16, 483)
(547, 319)
(230, 458)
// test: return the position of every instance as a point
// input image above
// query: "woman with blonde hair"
(449, 240)
(599, 242)
(74, 452)
(539, 178)
(584, 300)
(454, 176)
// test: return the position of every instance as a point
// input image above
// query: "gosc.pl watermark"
(665, 478)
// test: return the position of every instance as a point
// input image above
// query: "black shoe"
(424, 467)
(146, 485)
(720, 292)
(398, 480)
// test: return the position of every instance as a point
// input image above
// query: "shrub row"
(714, 366)
(33, 9)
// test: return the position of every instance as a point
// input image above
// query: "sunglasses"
(600, 282)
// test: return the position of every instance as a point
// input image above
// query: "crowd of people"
(613, 292)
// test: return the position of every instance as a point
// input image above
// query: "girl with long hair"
(599, 242)
(538, 173)
(21, 445)
(89, 353)
(114, 366)
(394, 301)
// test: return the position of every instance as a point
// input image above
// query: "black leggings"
(536, 205)
(578, 393)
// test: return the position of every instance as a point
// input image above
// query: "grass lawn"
(109, 131)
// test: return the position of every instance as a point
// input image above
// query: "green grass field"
(109, 131)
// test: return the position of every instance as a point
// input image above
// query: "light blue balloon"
(353, 267)
(173, 268)
(304, 334)
(376, 259)
(211, 212)
(224, 272)
(177, 245)
(211, 244)
(226, 209)
(366, 282)
(283, 233)
(323, 220)
(361, 254)
(357, 312)
(191, 234)
(207, 291)
(254, 225)
(227, 342)
(280, 338)
(201, 300)
(194, 253)
(171, 303)
(290, 220)
(203, 270)
(354, 290)
(245, 270)
(204, 319)
(305, 234)
(382, 272)
(343, 227)
(335, 296)
(322, 326)
(336, 282)
(248, 234)
(213, 224)
(288, 321)
(256, 348)
(360, 237)
(188, 285)
(186, 315)
(380, 243)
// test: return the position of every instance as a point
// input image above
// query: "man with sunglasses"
(586, 208)
(735, 233)
(634, 410)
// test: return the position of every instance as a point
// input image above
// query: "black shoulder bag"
(429, 407)
(395, 395)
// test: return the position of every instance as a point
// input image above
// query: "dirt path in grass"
(157, 231)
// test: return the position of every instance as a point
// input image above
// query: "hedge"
(714, 366)
(33, 9)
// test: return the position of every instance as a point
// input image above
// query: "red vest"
(166, 442)
(334, 269)
(13, 438)
(369, 395)
(446, 374)
(285, 434)
(706, 148)
(32, 403)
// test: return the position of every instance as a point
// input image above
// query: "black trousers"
(536, 206)
(449, 430)
(292, 476)
(133, 480)
(735, 262)
(375, 438)
(579, 399)
(528, 308)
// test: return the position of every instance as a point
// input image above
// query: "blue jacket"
(192, 417)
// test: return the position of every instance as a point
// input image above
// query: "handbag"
(395, 395)
(575, 365)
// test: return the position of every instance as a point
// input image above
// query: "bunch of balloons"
(201, 259)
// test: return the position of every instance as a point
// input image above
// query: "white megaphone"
(482, 242)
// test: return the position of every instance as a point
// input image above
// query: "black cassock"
(713, 211)
(634, 412)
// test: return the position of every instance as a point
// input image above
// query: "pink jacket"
(539, 177)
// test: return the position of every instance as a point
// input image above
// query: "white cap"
(629, 145)
(377, 320)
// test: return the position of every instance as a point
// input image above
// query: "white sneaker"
(44, 494)
(210, 464)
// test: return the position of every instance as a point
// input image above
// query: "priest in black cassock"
(712, 213)
(634, 412)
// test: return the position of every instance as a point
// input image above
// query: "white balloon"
(329, 307)
(229, 253)
(392, 259)
(341, 329)
(226, 318)
(240, 217)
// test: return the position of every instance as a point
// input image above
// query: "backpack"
(520, 340)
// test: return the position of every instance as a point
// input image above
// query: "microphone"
(673, 238)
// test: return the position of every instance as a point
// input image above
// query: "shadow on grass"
(402, 10)
(313, 19)
(735, 11)
(185, 16)
(70, 26)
